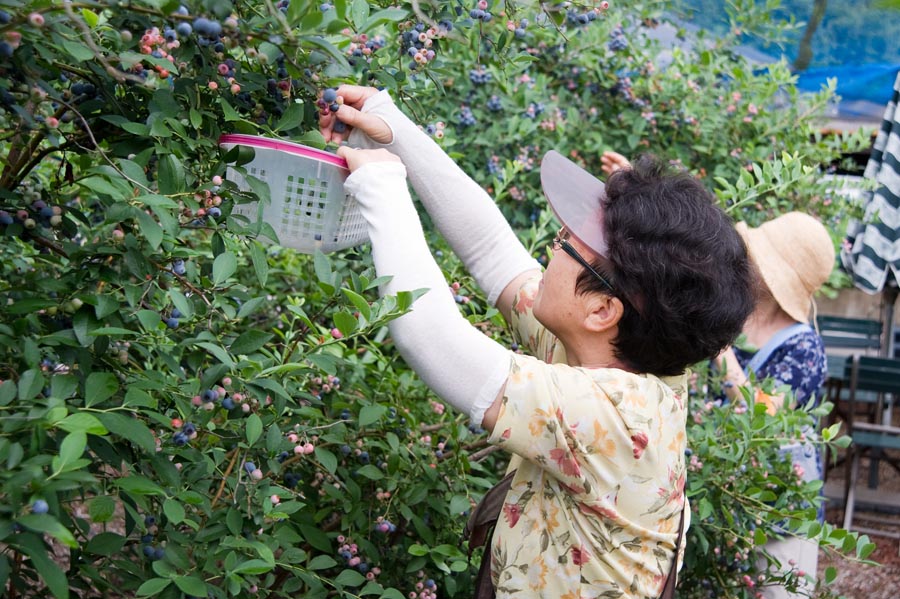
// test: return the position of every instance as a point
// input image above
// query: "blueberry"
(180, 439)
(159, 553)
(6, 50)
(283, 456)
(172, 323)
(149, 551)
(39, 507)
(149, 520)
(4, 17)
(362, 567)
(345, 449)
(184, 29)
(249, 466)
(364, 457)
(345, 414)
(210, 395)
(228, 403)
(329, 95)
(340, 127)
(215, 212)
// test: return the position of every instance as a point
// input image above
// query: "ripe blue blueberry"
(249, 467)
(364, 457)
(178, 267)
(149, 551)
(228, 403)
(159, 553)
(329, 95)
(345, 414)
(340, 127)
(189, 429)
(210, 395)
(39, 507)
(149, 520)
(4, 17)
(215, 212)
(147, 539)
(184, 29)
(172, 323)
(345, 449)
(180, 439)
(6, 50)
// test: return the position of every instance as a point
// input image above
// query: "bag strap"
(760, 357)
(668, 591)
(480, 527)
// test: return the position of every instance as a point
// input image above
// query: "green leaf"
(183, 304)
(81, 422)
(291, 119)
(99, 387)
(324, 272)
(106, 305)
(371, 472)
(191, 585)
(139, 485)
(70, 450)
(170, 175)
(249, 341)
(153, 587)
(149, 319)
(218, 352)
(223, 267)
(128, 428)
(830, 574)
(359, 302)
(173, 510)
(359, 12)
(328, 460)
(63, 386)
(30, 384)
(50, 573)
(79, 52)
(371, 414)
(260, 264)
(253, 566)
(349, 578)
(759, 537)
(90, 17)
(253, 428)
(50, 525)
(345, 322)
(101, 508)
(105, 543)
(150, 229)
(321, 562)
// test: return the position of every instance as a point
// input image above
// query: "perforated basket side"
(309, 209)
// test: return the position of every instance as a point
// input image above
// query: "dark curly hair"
(678, 265)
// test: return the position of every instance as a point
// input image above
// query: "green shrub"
(189, 411)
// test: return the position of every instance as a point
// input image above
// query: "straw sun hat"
(794, 255)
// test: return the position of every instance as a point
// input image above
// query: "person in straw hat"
(794, 256)
(648, 277)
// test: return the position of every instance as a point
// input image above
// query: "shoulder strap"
(760, 357)
(668, 591)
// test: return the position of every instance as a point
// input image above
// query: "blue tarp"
(864, 88)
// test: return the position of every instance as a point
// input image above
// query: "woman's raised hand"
(336, 126)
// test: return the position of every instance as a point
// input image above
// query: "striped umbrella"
(873, 259)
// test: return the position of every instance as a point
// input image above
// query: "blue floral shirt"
(799, 363)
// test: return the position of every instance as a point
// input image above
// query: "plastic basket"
(310, 209)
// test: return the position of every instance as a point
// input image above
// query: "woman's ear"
(604, 313)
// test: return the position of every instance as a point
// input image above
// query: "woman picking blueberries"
(647, 278)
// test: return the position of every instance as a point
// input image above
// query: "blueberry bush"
(190, 410)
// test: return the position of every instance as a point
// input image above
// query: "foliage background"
(187, 410)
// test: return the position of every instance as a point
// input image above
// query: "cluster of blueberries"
(617, 41)
(575, 18)
(183, 437)
(41, 213)
(479, 76)
(466, 118)
(150, 552)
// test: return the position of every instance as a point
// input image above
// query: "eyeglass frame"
(567, 247)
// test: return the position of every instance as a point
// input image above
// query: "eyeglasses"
(561, 241)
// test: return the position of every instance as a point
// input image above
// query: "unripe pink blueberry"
(257, 474)
(604, 5)
(336, 333)
(217, 180)
(275, 499)
(293, 438)
(235, 88)
(196, 400)
(298, 449)
(309, 448)
(36, 19)
(245, 408)
(213, 85)
(52, 122)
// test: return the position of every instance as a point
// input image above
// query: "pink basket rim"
(258, 141)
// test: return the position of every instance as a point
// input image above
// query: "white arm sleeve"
(462, 211)
(459, 363)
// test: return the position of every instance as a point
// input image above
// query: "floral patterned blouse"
(799, 363)
(594, 507)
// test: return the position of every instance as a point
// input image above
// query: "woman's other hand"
(356, 158)
(336, 126)
(611, 161)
